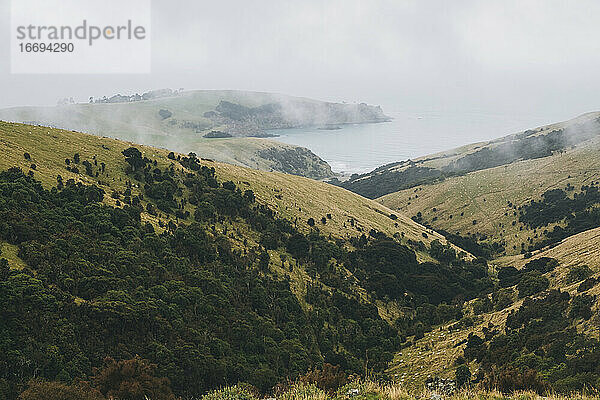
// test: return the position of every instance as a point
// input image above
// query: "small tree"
(164, 114)
(581, 307)
(205, 212)
(134, 158)
(578, 273)
(4, 268)
(462, 375)
(532, 283)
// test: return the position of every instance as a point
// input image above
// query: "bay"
(360, 148)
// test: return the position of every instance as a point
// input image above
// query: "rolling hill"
(488, 203)
(219, 273)
(293, 197)
(180, 120)
(527, 203)
(531, 144)
(214, 272)
(435, 354)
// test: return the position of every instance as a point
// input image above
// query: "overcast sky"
(538, 58)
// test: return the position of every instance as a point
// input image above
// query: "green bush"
(532, 283)
(581, 307)
(502, 298)
(578, 273)
(462, 375)
(482, 305)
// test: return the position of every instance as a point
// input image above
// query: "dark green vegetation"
(201, 299)
(391, 271)
(244, 120)
(390, 178)
(295, 161)
(179, 263)
(574, 214)
(540, 346)
(510, 276)
(217, 135)
(524, 146)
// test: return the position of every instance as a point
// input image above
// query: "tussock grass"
(369, 390)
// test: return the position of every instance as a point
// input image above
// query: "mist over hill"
(214, 124)
(530, 144)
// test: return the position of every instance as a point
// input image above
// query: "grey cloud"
(522, 58)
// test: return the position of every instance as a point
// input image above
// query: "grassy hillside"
(262, 294)
(487, 203)
(293, 197)
(184, 128)
(537, 215)
(435, 354)
(216, 273)
(577, 249)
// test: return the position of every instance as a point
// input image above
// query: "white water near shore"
(360, 148)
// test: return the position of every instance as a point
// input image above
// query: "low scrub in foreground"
(301, 391)
(374, 391)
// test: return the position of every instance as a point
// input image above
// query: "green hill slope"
(536, 219)
(488, 204)
(219, 273)
(214, 272)
(293, 197)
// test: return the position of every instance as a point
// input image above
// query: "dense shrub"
(509, 379)
(532, 283)
(131, 380)
(581, 307)
(539, 347)
(462, 375)
(578, 273)
(329, 378)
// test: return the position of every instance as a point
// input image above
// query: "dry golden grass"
(369, 390)
(583, 248)
(10, 252)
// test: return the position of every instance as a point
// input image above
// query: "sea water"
(359, 148)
